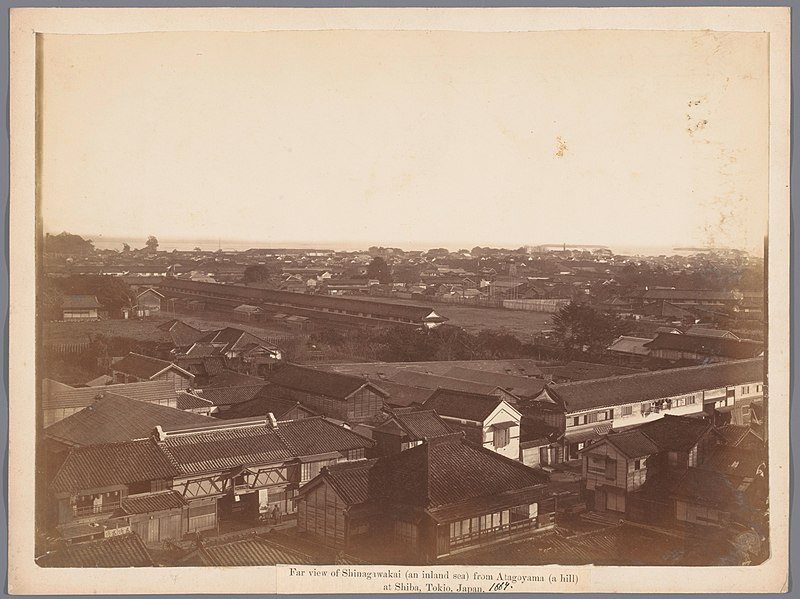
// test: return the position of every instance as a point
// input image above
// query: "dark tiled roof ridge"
(512, 462)
(650, 373)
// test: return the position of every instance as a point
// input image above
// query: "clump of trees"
(580, 328)
(66, 243)
(258, 273)
(112, 293)
(380, 270)
(406, 344)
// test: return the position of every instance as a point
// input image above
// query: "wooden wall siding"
(160, 527)
(321, 404)
(181, 382)
(202, 515)
(363, 404)
(56, 415)
(321, 514)
(511, 450)
(637, 416)
(636, 478)
(700, 514)
(598, 479)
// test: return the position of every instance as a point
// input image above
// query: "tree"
(579, 327)
(152, 243)
(126, 247)
(257, 273)
(111, 292)
(379, 269)
(408, 274)
(66, 243)
(48, 299)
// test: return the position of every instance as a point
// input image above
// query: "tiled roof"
(417, 425)
(58, 395)
(123, 551)
(231, 378)
(404, 395)
(182, 334)
(584, 371)
(634, 444)
(201, 349)
(318, 435)
(190, 401)
(234, 339)
(432, 381)
(140, 366)
(317, 382)
(712, 346)
(80, 302)
(660, 384)
(734, 434)
(114, 418)
(145, 503)
(203, 366)
(630, 345)
(214, 450)
(708, 487)
(303, 301)
(254, 551)
(247, 309)
(458, 404)
(706, 332)
(690, 294)
(449, 470)
(522, 387)
(263, 404)
(734, 461)
(99, 381)
(350, 480)
(383, 370)
(226, 396)
(675, 433)
(98, 466)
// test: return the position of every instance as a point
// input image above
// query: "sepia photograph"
(398, 301)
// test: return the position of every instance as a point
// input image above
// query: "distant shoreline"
(210, 245)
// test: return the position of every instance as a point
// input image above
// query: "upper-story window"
(501, 437)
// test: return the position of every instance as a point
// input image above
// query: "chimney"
(159, 434)
(272, 422)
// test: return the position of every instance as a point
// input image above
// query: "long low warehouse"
(318, 307)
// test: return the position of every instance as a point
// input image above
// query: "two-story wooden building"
(487, 420)
(406, 428)
(137, 368)
(221, 470)
(620, 463)
(243, 351)
(348, 398)
(584, 411)
(442, 497)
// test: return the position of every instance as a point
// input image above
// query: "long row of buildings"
(430, 458)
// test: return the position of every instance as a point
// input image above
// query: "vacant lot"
(147, 330)
(517, 322)
(78, 332)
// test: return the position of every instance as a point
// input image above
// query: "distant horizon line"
(209, 244)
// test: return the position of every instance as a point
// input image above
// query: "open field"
(147, 329)
(473, 319)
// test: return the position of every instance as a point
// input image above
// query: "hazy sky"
(416, 139)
